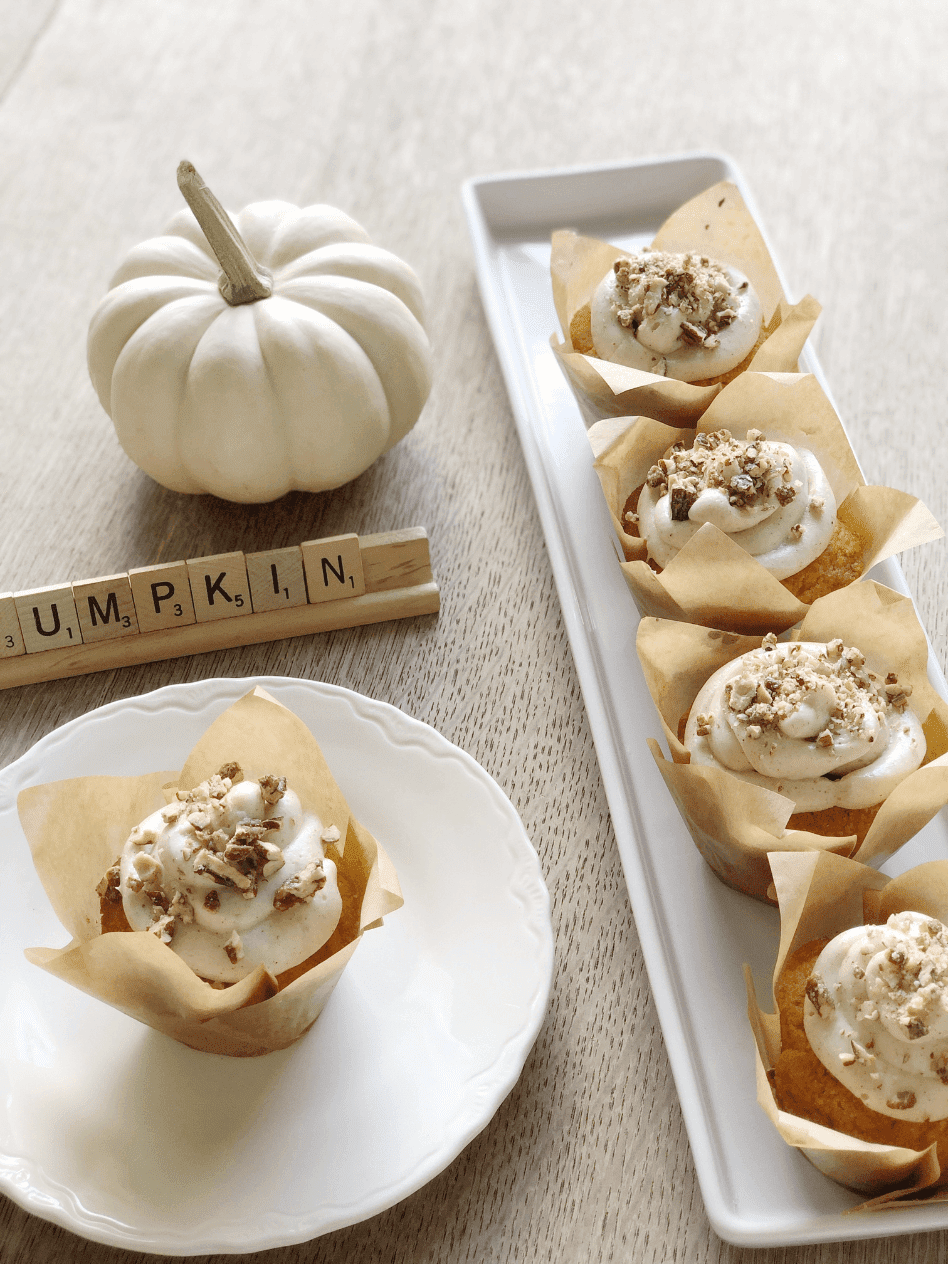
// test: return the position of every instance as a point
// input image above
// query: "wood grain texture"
(838, 122)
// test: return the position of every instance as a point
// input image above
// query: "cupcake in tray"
(658, 331)
(853, 1065)
(681, 316)
(217, 906)
(831, 741)
(744, 521)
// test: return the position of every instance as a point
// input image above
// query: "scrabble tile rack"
(219, 602)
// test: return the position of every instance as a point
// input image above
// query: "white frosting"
(876, 1015)
(680, 315)
(772, 499)
(232, 876)
(812, 722)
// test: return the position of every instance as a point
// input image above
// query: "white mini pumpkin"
(314, 364)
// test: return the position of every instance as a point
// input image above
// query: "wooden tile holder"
(398, 582)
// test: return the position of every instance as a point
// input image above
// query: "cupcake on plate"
(853, 1064)
(236, 901)
(232, 875)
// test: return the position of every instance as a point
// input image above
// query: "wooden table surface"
(837, 117)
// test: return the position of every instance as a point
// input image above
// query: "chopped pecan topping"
(108, 888)
(818, 994)
(163, 928)
(681, 500)
(695, 286)
(273, 788)
(302, 886)
(219, 871)
(234, 949)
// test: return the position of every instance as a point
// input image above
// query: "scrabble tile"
(47, 618)
(105, 608)
(11, 638)
(162, 596)
(276, 579)
(219, 586)
(333, 568)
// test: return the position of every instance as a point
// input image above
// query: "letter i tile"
(47, 618)
(11, 638)
(276, 578)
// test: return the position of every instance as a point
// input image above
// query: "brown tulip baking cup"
(76, 828)
(718, 224)
(820, 895)
(712, 580)
(735, 824)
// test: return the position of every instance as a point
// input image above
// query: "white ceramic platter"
(128, 1138)
(695, 932)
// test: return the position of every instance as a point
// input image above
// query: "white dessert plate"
(128, 1138)
(695, 932)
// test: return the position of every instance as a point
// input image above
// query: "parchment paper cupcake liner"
(712, 580)
(735, 824)
(820, 895)
(716, 223)
(76, 828)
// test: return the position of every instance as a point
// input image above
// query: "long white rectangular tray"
(695, 932)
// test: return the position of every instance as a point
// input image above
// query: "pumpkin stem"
(242, 280)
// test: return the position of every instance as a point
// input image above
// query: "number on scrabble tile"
(11, 638)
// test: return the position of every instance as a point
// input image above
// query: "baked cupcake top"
(771, 498)
(683, 316)
(811, 721)
(876, 1015)
(231, 875)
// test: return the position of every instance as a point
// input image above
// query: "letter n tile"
(333, 568)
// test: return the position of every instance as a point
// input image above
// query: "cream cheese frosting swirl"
(773, 499)
(811, 721)
(876, 1015)
(232, 875)
(683, 316)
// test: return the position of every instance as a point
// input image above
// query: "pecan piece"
(680, 500)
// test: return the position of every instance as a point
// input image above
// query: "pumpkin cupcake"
(853, 1064)
(820, 742)
(657, 331)
(682, 316)
(743, 522)
(232, 875)
(234, 908)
